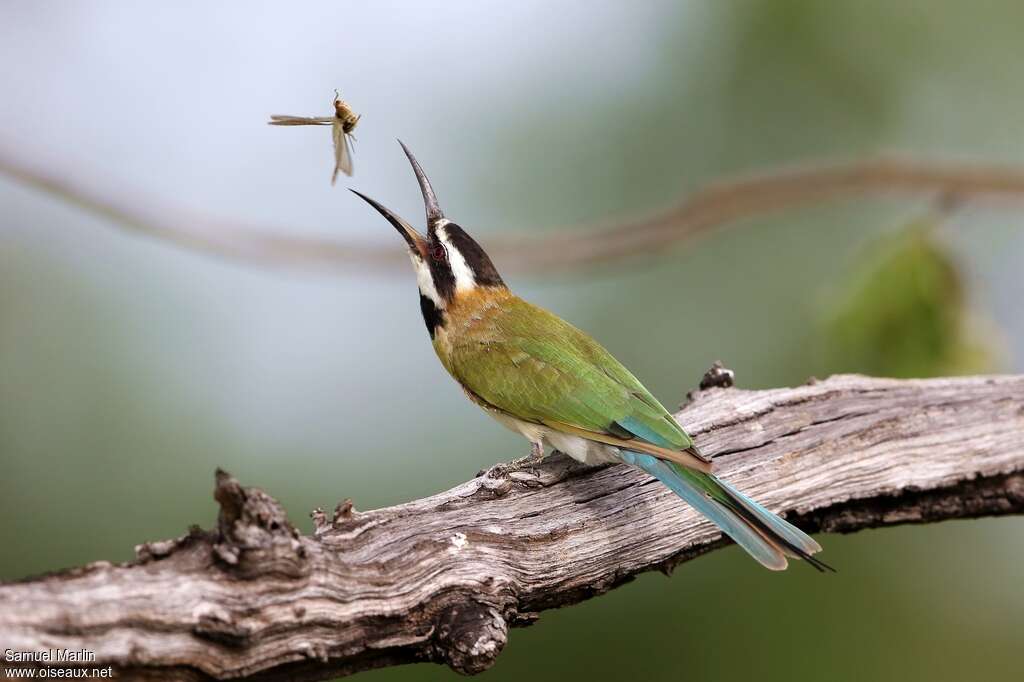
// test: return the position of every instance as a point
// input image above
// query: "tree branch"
(443, 578)
(714, 206)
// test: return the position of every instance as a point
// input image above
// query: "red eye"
(439, 253)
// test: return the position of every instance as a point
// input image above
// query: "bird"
(552, 383)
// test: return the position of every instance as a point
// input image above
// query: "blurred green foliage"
(902, 310)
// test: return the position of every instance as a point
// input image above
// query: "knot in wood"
(469, 637)
(254, 536)
(717, 376)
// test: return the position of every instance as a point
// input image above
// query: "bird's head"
(448, 262)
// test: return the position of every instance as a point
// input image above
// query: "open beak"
(433, 210)
(417, 244)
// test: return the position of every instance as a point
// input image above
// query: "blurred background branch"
(443, 578)
(714, 206)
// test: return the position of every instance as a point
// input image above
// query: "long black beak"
(416, 242)
(434, 213)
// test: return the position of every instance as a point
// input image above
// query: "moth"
(342, 124)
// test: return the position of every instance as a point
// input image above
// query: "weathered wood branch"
(443, 578)
(711, 207)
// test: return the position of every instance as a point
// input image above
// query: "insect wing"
(342, 152)
(280, 120)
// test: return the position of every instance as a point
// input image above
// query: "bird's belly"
(531, 432)
(580, 449)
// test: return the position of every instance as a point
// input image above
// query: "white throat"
(425, 282)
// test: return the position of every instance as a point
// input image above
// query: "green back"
(537, 367)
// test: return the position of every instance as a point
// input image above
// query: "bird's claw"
(505, 470)
(528, 463)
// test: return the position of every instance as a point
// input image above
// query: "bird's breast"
(471, 317)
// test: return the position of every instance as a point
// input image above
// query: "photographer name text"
(50, 656)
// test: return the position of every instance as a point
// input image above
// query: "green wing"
(539, 368)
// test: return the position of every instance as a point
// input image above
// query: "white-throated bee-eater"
(547, 380)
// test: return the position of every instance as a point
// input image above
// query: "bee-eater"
(547, 380)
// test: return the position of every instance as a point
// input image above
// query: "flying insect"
(342, 124)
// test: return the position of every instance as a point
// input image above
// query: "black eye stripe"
(483, 269)
(437, 257)
(441, 271)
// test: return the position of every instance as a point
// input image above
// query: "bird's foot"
(509, 468)
(528, 463)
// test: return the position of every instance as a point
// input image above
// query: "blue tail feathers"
(765, 536)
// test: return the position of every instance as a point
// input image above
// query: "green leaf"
(902, 311)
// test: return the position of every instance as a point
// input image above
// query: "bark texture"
(443, 578)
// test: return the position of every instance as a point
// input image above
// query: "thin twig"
(716, 205)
